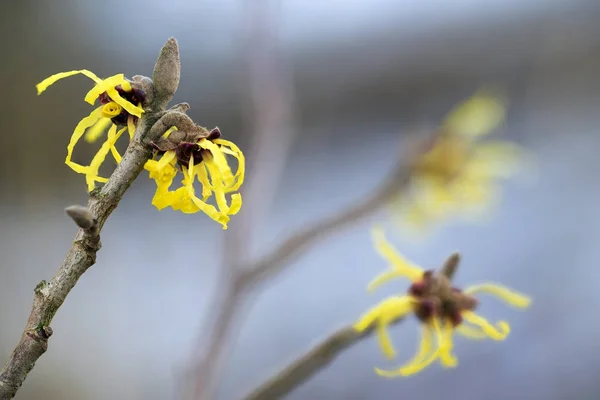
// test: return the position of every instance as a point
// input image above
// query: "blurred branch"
(275, 262)
(269, 118)
(271, 114)
(49, 296)
(311, 362)
(271, 111)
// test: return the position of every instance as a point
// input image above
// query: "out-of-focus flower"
(200, 155)
(120, 108)
(441, 308)
(458, 174)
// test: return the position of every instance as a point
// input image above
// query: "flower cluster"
(198, 155)
(120, 107)
(442, 309)
(457, 175)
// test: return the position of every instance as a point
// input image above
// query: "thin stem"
(309, 363)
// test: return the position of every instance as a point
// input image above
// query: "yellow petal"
(113, 140)
(498, 332)
(165, 160)
(84, 124)
(239, 156)
(425, 356)
(94, 133)
(471, 194)
(471, 332)
(202, 175)
(190, 171)
(212, 212)
(130, 126)
(182, 201)
(108, 85)
(236, 204)
(168, 132)
(92, 174)
(501, 292)
(103, 86)
(477, 116)
(129, 107)
(496, 159)
(446, 345)
(398, 263)
(43, 85)
(217, 181)
(162, 200)
(412, 219)
(384, 340)
(111, 110)
(389, 309)
(381, 279)
(219, 160)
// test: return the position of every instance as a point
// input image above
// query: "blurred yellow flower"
(458, 175)
(120, 105)
(442, 309)
(200, 155)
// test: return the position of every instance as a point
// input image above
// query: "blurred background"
(357, 76)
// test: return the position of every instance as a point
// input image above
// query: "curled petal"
(425, 356)
(84, 124)
(217, 181)
(108, 85)
(211, 211)
(508, 296)
(103, 86)
(111, 110)
(219, 159)
(498, 332)
(234, 151)
(129, 107)
(471, 332)
(92, 173)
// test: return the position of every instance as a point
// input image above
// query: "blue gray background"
(364, 73)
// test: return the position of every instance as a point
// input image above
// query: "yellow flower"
(199, 155)
(120, 105)
(442, 309)
(457, 176)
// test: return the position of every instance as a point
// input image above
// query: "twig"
(307, 365)
(49, 296)
(273, 263)
(321, 355)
